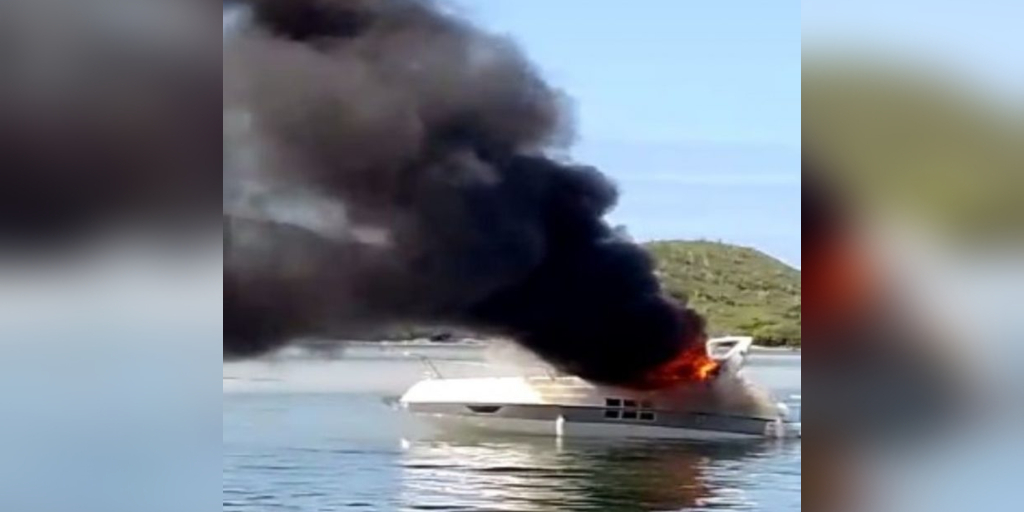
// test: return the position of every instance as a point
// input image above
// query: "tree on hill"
(740, 290)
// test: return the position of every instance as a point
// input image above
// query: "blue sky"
(979, 39)
(693, 108)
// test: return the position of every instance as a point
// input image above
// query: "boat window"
(613, 402)
(629, 403)
(484, 409)
(647, 416)
(614, 414)
(646, 404)
(629, 415)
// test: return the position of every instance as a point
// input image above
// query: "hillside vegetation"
(923, 144)
(741, 291)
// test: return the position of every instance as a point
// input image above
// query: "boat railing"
(434, 372)
(723, 349)
(431, 367)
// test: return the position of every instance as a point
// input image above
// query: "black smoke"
(389, 162)
(108, 114)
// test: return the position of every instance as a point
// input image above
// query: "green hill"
(921, 143)
(741, 291)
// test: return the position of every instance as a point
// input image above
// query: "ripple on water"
(337, 452)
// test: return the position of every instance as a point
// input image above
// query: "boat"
(724, 407)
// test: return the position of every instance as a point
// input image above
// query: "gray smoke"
(387, 162)
(107, 115)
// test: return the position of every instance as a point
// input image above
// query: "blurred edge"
(913, 278)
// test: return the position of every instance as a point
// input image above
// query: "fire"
(692, 365)
(842, 280)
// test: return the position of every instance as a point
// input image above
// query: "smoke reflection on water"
(543, 474)
(327, 451)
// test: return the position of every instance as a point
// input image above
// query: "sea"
(322, 435)
(141, 427)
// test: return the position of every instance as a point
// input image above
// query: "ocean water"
(129, 427)
(319, 436)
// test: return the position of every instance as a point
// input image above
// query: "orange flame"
(841, 280)
(692, 365)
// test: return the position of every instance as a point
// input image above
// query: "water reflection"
(525, 474)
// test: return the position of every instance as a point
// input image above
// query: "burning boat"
(699, 396)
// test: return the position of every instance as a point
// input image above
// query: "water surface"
(317, 436)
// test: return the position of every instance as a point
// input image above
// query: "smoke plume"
(388, 162)
(107, 115)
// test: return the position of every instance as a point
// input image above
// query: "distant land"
(740, 290)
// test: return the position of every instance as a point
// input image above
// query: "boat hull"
(548, 428)
(577, 421)
(565, 406)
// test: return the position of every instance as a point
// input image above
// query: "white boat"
(725, 407)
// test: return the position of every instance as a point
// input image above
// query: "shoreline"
(474, 343)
